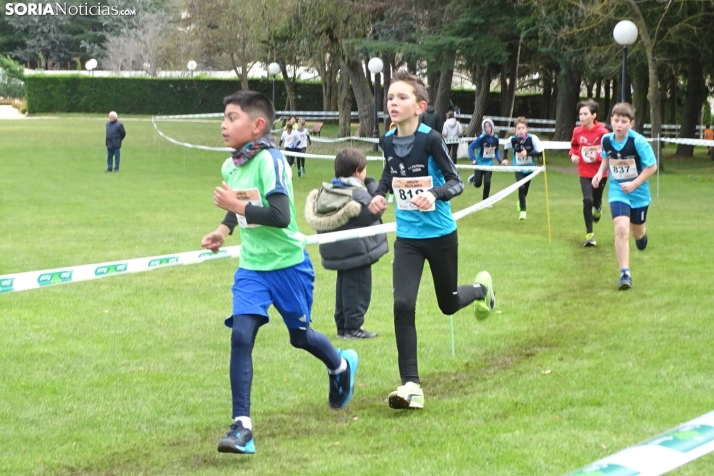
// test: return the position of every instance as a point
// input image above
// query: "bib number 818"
(405, 194)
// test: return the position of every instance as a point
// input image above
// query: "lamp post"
(273, 69)
(191, 66)
(375, 65)
(90, 65)
(625, 34)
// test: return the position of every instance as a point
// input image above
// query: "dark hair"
(592, 106)
(348, 161)
(624, 109)
(414, 81)
(708, 126)
(450, 114)
(254, 104)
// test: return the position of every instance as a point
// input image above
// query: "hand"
(224, 197)
(628, 187)
(504, 162)
(596, 180)
(574, 158)
(424, 201)
(213, 241)
(378, 204)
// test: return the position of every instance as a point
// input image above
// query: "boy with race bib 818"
(632, 162)
(422, 176)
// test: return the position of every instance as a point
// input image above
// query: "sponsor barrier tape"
(659, 455)
(73, 274)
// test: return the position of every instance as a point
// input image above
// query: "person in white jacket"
(452, 130)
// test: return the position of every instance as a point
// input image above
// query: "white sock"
(340, 369)
(246, 422)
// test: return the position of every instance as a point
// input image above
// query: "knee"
(449, 308)
(621, 231)
(298, 337)
(588, 201)
(404, 306)
(240, 337)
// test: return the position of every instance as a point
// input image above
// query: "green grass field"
(129, 375)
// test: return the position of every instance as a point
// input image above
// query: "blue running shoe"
(342, 385)
(625, 282)
(237, 440)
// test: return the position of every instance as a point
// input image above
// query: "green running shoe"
(484, 307)
(590, 240)
(409, 395)
(522, 215)
(597, 214)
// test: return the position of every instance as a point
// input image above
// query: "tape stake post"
(547, 200)
(453, 346)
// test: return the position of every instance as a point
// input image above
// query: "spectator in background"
(709, 135)
(115, 135)
(431, 118)
(452, 130)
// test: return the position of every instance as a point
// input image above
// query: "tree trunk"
(328, 74)
(598, 91)
(513, 78)
(482, 81)
(509, 73)
(363, 96)
(345, 104)
(639, 96)
(504, 90)
(694, 97)
(554, 104)
(432, 80)
(605, 111)
(289, 89)
(547, 94)
(443, 93)
(567, 103)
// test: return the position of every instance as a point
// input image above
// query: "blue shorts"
(288, 289)
(638, 216)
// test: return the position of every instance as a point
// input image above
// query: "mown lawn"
(129, 375)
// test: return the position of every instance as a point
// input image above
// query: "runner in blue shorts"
(632, 162)
(275, 269)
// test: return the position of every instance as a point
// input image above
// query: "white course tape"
(699, 142)
(73, 274)
(658, 455)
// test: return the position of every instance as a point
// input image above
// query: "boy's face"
(586, 117)
(238, 128)
(362, 174)
(402, 102)
(488, 129)
(521, 130)
(621, 125)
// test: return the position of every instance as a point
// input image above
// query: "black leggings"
(443, 258)
(453, 151)
(485, 177)
(301, 160)
(522, 190)
(592, 197)
(245, 329)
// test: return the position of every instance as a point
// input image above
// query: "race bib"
(590, 153)
(526, 160)
(252, 196)
(407, 188)
(489, 152)
(623, 169)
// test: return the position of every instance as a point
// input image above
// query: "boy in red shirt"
(585, 151)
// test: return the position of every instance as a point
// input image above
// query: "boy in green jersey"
(274, 267)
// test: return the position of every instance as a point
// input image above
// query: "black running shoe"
(358, 334)
(237, 440)
(641, 243)
(625, 282)
(342, 384)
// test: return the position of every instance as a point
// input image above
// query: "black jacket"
(431, 118)
(350, 254)
(115, 134)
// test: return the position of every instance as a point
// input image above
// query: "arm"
(649, 162)
(385, 183)
(603, 167)
(574, 152)
(122, 132)
(454, 185)
(629, 187)
(537, 150)
(214, 240)
(473, 146)
(276, 214)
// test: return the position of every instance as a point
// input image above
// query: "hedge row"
(147, 95)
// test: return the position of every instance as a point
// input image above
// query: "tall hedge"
(193, 95)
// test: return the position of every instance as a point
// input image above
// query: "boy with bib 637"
(631, 161)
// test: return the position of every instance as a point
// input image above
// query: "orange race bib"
(407, 188)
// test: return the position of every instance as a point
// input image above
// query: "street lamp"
(625, 33)
(191, 66)
(90, 65)
(375, 65)
(273, 69)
